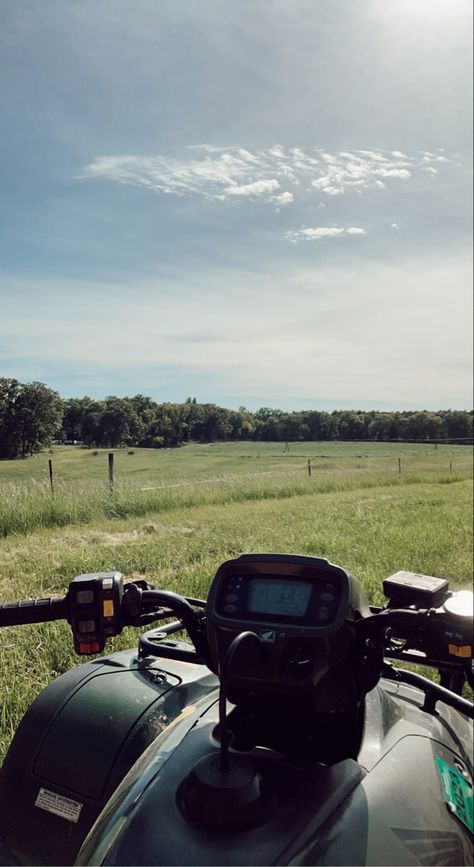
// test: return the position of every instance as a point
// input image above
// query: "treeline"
(32, 415)
(140, 421)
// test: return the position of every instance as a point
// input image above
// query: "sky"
(251, 203)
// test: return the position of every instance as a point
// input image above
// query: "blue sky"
(258, 203)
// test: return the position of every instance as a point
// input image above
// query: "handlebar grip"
(33, 611)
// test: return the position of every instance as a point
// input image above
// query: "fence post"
(400, 466)
(50, 464)
(111, 471)
(309, 467)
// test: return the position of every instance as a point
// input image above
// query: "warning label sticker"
(59, 805)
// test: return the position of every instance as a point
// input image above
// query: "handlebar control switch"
(95, 610)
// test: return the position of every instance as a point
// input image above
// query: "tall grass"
(28, 506)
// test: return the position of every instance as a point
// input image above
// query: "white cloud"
(229, 173)
(258, 188)
(276, 151)
(321, 232)
(428, 157)
(283, 198)
(321, 183)
(315, 234)
(246, 155)
(393, 173)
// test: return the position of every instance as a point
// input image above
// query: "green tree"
(423, 425)
(217, 423)
(293, 426)
(9, 391)
(30, 416)
(76, 409)
(194, 417)
(241, 425)
(270, 429)
(381, 426)
(458, 423)
(118, 423)
(350, 425)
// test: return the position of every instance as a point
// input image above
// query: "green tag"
(457, 793)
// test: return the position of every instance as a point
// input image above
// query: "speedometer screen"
(278, 596)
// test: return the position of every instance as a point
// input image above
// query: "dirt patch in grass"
(111, 540)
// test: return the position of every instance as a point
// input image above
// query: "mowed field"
(174, 515)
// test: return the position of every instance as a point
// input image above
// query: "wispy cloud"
(340, 331)
(276, 175)
(315, 234)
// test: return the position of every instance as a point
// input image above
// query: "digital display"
(278, 596)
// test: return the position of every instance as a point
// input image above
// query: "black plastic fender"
(76, 743)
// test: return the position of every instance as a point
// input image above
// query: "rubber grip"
(33, 611)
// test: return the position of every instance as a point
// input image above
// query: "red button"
(84, 648)
(93, 647)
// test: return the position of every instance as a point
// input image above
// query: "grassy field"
(147, 481)
(71, 463)
(174, 515)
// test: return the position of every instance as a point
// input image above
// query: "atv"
(269, 724)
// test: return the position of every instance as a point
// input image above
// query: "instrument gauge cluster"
(296, 605)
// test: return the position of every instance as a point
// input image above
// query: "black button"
(327, 597)
(230, 609)
(231, 597)
(86, 626)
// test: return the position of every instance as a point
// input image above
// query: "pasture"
(172, 516)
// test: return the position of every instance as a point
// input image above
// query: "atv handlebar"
(99, 605)
(437, 632)
(33, 611)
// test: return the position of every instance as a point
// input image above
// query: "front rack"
(157, 642)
